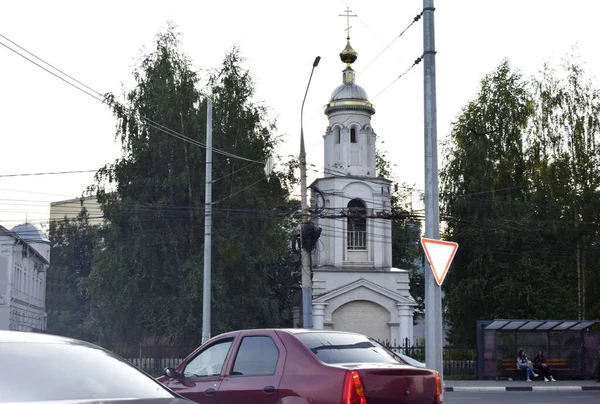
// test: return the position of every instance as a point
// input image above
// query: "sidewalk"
(517, 385)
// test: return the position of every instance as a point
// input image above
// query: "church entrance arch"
(363, 317)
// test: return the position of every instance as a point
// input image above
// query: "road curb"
(520, 388)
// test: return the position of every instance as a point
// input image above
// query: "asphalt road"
(525, 397)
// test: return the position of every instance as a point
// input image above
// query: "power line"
(416, 62)
(364, 23)
(491, 191)
(54, 67)
(48, 173)
(107, 99)
(35, 192)
(417, 18)
(47, 70)
(230, 174)
(238, 192)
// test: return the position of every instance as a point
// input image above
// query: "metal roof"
(540, 325)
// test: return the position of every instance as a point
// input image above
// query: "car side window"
(257, 356)
(209, 362)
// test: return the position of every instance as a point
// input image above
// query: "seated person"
(524, 363)
(539, 362)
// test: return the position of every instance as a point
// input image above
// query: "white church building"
(355, 287)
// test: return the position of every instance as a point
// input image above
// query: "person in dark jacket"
(539, 363)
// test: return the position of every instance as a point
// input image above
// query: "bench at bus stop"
(509, 368)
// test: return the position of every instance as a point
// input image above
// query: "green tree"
(147, 280)
(73, 243)
(252, 248)
(564, 159)
(484, 193)
(520, 189)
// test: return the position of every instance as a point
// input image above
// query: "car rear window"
(333, 348)
(59, 371)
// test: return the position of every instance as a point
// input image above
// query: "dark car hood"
(114, 401)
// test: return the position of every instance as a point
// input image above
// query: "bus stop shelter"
(575, 341)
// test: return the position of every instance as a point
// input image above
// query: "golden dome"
(348, 55)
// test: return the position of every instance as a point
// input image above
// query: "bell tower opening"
(357, 225)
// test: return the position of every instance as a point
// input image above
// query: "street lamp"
(305, 254)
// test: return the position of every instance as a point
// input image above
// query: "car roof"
(35, 337)
(289, 331)
(312, 330)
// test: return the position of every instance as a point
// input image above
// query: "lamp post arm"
(305, 254)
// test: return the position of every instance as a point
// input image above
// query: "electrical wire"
(415, 19)
(238, 192)
(48, 173)
(374, 237)
(34, 192)
(48, 70)
(234, 172)
(361, 20)
(416, 62)
(103, 98)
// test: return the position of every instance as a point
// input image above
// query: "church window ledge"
(360, 266)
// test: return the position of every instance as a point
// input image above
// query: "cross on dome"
(348, 15)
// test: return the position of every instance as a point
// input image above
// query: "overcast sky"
(48, 126)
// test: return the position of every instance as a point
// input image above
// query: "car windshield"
(69, 371)
(335, 348)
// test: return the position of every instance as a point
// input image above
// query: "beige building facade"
(70, 208)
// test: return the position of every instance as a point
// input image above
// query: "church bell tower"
(354, 285)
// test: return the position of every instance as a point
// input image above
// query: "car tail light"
(354, 391)
(438, 388)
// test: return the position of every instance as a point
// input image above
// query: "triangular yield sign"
(439, 254)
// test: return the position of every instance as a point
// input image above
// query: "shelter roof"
(540, 325)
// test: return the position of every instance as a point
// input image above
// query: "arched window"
(352, 135)
(336, 135)
(357, 225)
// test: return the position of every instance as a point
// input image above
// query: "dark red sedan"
(297, 366)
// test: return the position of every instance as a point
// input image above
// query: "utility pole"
(304, 253)
(206, 292)
(433, 293)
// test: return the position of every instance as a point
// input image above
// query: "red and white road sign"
(439, 254)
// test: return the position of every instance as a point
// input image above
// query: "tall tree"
(73, 243)
(148, 199)
(564, 159)
(251, 224)
(484, 195)
(520, 191)
(147, 280)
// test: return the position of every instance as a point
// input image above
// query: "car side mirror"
(171, 373)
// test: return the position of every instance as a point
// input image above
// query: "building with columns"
(355, 287)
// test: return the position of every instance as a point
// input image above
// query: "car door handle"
(210, 392)
(269, 389)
